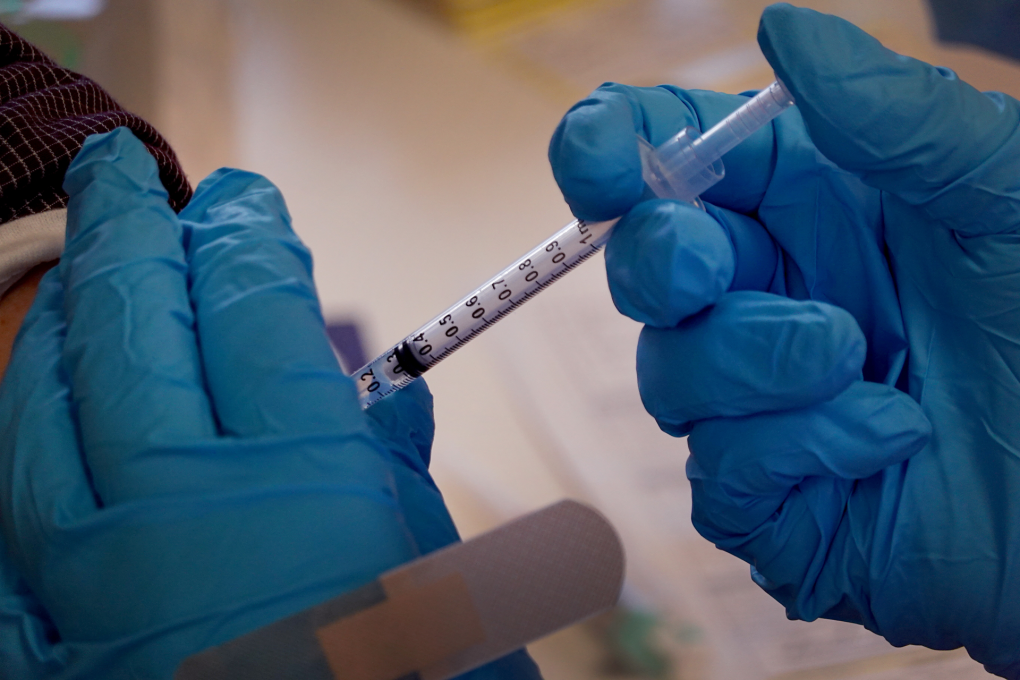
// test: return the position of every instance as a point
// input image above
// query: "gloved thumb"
(902, 125)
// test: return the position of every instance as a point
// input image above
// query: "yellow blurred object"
(566, 48)
(482, 18)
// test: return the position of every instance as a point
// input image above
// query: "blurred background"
(409, 137)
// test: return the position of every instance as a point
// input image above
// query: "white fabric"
(29, 241)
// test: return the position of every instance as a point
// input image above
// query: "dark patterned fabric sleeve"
(46, 112)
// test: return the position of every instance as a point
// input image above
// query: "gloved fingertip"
(594, 157)
(828, 65)
(799, 43)
(890, 424)
(113, 176)
(224, 185)
(674, 428)
(405, 422)
(116, 157)
(216, 176)
(234, 212)
(667, 261)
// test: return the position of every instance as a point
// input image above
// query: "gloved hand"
(181, 459)
(839, 333)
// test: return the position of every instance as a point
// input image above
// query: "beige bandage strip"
(443, 614)
(411, 630)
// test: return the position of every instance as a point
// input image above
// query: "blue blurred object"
(990, 24)
(21, 11)
(839, 333)
(57, 10)
(345, 336)
(181, 459)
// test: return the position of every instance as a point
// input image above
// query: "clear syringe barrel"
(681, 168)
(480, 309)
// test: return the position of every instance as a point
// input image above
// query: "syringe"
(681, 168)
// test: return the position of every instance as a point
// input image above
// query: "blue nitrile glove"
(839, 333)
(181, 459)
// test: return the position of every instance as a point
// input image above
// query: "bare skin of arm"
(13, 307)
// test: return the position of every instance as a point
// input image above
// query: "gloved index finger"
(594, 151)
(131, 351)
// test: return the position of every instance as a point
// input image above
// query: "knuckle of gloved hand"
(749, 353)
(667, 261)
(745, 457)
(724, 514)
